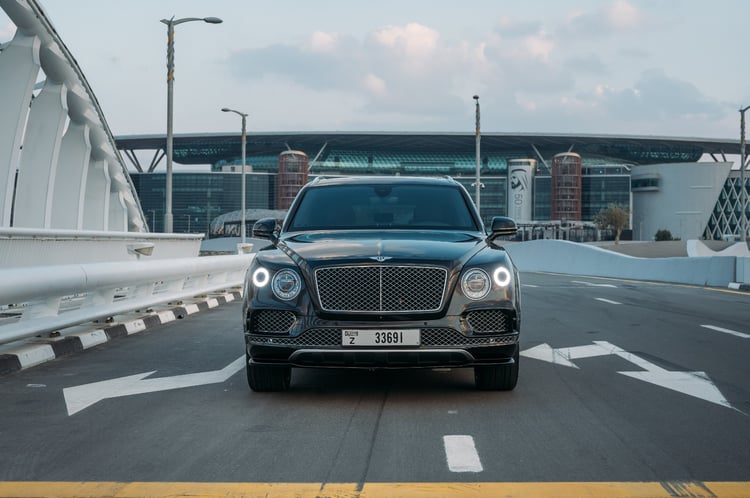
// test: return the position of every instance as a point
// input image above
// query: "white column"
(96, 205)
(118, 212)
(75, 154)
(19, 67)
(38, 166)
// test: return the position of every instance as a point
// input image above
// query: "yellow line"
(667, 489)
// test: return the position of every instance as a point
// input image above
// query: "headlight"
(475, 283)
(502, 276)
(260, 277)
(286, 284)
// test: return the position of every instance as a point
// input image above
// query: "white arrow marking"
(80, 397)
(591, 284)
(696, 384)
(563, 356)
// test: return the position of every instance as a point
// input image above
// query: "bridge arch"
(59, 165)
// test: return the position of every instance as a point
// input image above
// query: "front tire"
(267, 378)
(498, 377)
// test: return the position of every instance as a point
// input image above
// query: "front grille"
(377, 289)
(488, 321)
(271, 321)
(434, 337)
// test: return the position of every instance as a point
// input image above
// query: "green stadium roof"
(211, 148)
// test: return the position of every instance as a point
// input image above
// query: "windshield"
(383, 206)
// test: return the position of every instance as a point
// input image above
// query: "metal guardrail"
(41, 299)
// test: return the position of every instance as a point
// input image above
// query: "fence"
(41, 299)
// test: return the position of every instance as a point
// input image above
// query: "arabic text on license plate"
(380, 337)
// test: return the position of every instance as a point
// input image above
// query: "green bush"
(662, 235)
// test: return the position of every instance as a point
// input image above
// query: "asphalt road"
(680, 412)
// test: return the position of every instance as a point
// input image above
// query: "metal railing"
(40, 299)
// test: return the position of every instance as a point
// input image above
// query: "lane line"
(461, 454)
(726, 331)
(591, 284)
(606, 300)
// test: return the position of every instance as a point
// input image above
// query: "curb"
(41, 350)
(739, 286)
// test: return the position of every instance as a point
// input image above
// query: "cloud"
(508, 27)
(657, 95)
(619, 16)
(624, 16)
(589, 63)
(374, 84)
(413, 40)
(323, 42)
(528, 78)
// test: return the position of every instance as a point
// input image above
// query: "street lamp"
(244, 139)
(171, 23)
(743, 218)
(478, 183)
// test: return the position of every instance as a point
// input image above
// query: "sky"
(656, 67)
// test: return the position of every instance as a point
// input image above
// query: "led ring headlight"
(502, 276)
(260, 277)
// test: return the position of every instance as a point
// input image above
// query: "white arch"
(50, 177)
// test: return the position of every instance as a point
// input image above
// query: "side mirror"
(502, 227)
(265, 229)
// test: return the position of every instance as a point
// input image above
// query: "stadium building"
(547, 182)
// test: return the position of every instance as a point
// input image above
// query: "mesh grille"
(376, 289)
(272, 322)
(438, 337)
(488, 321)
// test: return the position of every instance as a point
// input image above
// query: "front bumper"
(439, 347)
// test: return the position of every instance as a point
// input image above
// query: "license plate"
(380, 337)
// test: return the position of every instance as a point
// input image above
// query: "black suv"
(382, 272)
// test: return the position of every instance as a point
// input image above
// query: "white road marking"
(529, 285)
(608, 301)
(591, 284)
(78, 398)
(696, 384)
(727, 331)
(563, 356)
(461, 454)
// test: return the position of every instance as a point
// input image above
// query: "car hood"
(446, 249)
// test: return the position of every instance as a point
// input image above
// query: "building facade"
(637, 173)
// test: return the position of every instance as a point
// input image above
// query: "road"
(620, 381)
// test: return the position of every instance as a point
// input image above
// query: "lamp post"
(171, 23)
(743, 218)
(478, 138)
(244, 140)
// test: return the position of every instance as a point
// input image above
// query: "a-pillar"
(38, 167)
(19, 67)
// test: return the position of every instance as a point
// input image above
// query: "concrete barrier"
(559, 256)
